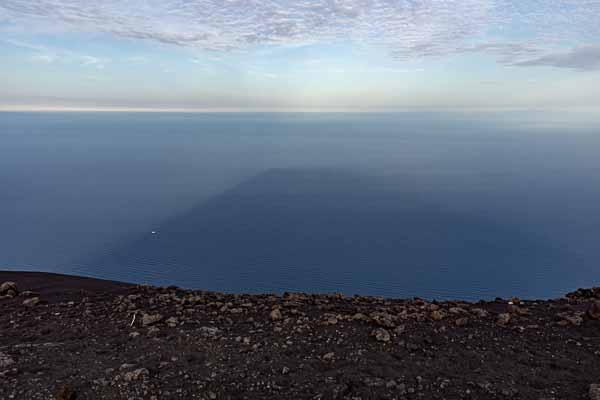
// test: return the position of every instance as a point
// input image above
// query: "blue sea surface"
(436, 205)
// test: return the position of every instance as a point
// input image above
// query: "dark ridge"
(58, 287)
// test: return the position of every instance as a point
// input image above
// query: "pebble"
(513, 309)
(5, 360)
(400, 329)
(437, 315)
(151, 319)
(360, 317)
(136, 375)
(412, 347)
(276, 315)
(480, 312)
(209, 331)
(574, 320)
(503, 319)
(66, 392)
(594, 391)
(381, 335)
(457, 310)
(383, 319)
(31, 302)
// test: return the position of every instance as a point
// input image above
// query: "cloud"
(47, 55)
(92, 61)
(581, 58)
(506, 52)
(408, 28)
(137, 60)
(23, 45)
(407, 25)
(43, 58)
(256, 73)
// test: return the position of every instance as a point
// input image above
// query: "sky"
(313, 55)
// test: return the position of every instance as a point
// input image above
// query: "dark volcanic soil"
(91, 339)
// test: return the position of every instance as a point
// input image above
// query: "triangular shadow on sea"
(331, 230)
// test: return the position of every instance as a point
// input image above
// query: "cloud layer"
(582, 58)
(408, 28)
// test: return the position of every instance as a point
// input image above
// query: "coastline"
(87, 338)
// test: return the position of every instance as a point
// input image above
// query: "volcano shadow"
(325, 230)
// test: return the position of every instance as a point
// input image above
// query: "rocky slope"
(75, 338)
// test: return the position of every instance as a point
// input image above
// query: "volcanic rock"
(8, 287)
(151, 319)
(381, 335)
(5, 360)
(503, 319)
(437, 315)
(594, 310)
(34, 301)
(594, 391)
(276, 315)
(66, 392)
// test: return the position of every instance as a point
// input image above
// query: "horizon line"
(233, 110)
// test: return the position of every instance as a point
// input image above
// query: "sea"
(438, 205)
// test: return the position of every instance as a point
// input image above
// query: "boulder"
(66, 392)
(594, 310)
(383, 319)
(360, 317)
(437, 315)
(151, 319)
(381, 335)
(32, 302)
(594, 391)
(513, 309)
(276, 315)
(503, 319)
(574, 319)
(9, 289)
(480, 312)
(457, 310)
